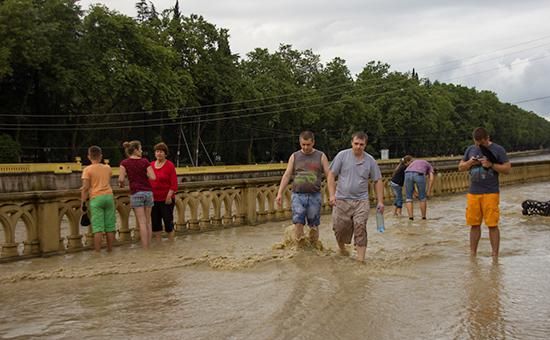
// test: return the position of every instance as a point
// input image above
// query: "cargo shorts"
(349, 219)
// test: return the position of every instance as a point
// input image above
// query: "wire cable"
(530, 100)
(479, 62)
(483, 54)
(198, 107)
(201, 116)
(144, 125)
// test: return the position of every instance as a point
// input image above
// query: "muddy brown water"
(418, 282)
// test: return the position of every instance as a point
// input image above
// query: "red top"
(136, 168)
(166, 180)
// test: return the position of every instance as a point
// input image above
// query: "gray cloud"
(404, 34)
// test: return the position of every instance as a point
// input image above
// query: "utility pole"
(178, 153)
(187, 147)
(198, 140)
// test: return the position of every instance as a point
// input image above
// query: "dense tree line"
(69, 79)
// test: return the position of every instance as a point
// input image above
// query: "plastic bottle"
(379, 221)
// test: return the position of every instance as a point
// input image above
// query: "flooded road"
(418, 282)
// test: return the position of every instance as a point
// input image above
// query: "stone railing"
(47, 222)
(65, 176)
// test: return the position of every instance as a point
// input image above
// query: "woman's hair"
(131, 147)
(406, 159)
(403, 161)
(162, 147)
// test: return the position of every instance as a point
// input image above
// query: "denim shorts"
(306, 207)
(412, 179)
(141, 199)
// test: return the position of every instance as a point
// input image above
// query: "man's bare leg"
(343, 250)
(475, 235)
(313, 235)
(361, 251)
(299, 231)
(494, 237)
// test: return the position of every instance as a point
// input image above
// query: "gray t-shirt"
(353, 175)
(482, 180)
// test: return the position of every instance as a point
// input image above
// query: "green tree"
(41, 51)
(103, 77)
(9, 149)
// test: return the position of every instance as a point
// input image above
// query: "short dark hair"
(307, 135)
(360, 135)
(480, 133)
(162, 146)
(94, 152)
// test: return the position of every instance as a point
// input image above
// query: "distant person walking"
(306, 166)
(350, 197)
(484, 160)
(415, 176)
(397, 182)
(96, 185)
(164, 188)
(139, 172)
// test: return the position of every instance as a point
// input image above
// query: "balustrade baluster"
(246, 201)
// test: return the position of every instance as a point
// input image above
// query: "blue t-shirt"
(483, 180)
(353, 175)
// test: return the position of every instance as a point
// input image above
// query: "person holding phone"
(485, 161)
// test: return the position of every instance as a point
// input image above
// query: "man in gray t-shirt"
(353, 167)
(484, 160)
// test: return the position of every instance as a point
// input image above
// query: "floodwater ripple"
(254, 282)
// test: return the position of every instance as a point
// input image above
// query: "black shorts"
(162, 212)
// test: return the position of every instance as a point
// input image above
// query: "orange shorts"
(482, 207)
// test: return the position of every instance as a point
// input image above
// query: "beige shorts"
(349, 218)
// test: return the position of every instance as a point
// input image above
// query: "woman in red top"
(164, 187)
(139, 173)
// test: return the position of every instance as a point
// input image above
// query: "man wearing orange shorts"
(484, 160)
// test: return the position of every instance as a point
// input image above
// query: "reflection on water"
(483, 309)
(248, 283)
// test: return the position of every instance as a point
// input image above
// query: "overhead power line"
(483, 54)
(301, 92)
(482, 61)
(183, 108)
(185, 119)
(530, 100)
(145, 125)
(448, 79)
(150, 122)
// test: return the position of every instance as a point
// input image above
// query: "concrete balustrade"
(32, 222)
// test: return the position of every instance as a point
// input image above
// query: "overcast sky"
(502, 46)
